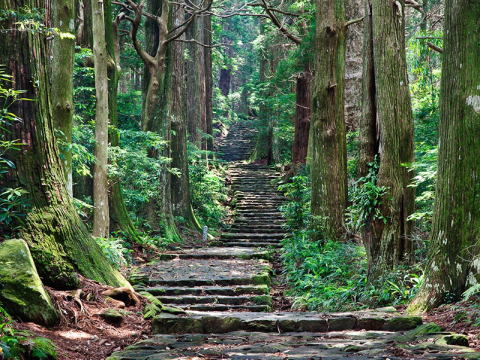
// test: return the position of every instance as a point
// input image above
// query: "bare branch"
(415, 5)
(279, 25)
(354, 21)
(435, 47)
(193, 41)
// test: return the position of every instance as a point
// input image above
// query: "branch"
(277, 23)
(193, 41)
(275, 10)
(435, 47)
(354, 21)
(415, 5)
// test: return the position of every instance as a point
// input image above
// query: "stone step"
(251, 236)
(208, 290)
(222, 307)
(247, 345)
(269, 229)
(280, 322)
(203, 272)
(218, 300)
(252, 244)
(222, 253)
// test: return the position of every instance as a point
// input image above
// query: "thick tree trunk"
(208, 82)
(101, 217)
(84, 24)
(302, 118)
(59, 241)
(63, 49)
(329, 154)
(388, 117)
(454, 246)
(225, 81)
(181, 196)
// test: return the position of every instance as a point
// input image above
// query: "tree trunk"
(208, 82)
(329, 154)
(302, 118)
(454, 246)
(63, 49)
(119, 218)
(84, 24)
(181, 196)
(388, 118)
(59, 242)
(101, 217)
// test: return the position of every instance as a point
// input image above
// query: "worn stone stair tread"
(207, 290)
(219, 252)
(216, 299)
(213, 307)
(252, 244)
(219, 322)
(239, 235)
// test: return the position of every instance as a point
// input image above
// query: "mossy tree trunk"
(180, 183)
(119, 218)
(59, 242)
(63, 49)
(208, 31)
(101, 216)
(454, 245)
(387, 134)
(329, 154)
(302, 117)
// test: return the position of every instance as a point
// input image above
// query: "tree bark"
(101, 217)
(329, 155)
(119, 217)
(208, 82)
(302, 118)
(63, 50)
(59, 242)
(453, 261)
(84, 24)
(388, 128)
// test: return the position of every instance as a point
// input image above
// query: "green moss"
(454, 339)
(262, 300)
(402, 323)
(425, 329)
(22, 292)
(43, 349)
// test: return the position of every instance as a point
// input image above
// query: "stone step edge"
(210, 323)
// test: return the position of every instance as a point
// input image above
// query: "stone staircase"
(225, 290)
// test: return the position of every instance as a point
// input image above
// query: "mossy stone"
(425, 329)
(22, 292)
(402, 323)
(454, 339)
(112, 316)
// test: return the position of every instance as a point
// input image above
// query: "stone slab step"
(265, 230)
(199, 272)
(266, 236)
(223, 322)
(208, 290)
(222, 307)
(243, 345)
(223, 253)
(252, 244)
(218, 299)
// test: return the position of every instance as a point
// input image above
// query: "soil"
(82, 334)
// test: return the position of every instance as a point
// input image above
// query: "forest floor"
(234, 303)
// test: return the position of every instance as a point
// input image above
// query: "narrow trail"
(225, 289)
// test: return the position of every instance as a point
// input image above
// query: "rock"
(112, 316)
(22, 292)
(425, 329)
(402, 323)
(454, 339)
(124, 294)
(115, 303)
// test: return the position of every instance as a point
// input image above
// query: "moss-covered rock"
(422, 330)
(454, 339)
(112, 316)
(22, 291)
(402, 323)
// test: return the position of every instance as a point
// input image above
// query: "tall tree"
(329, 154)
(302, 117)
(101, 216)
(119, 218)
(63, 49)
(59, 242)
(387, 134)
(207, 28)
(454, 246)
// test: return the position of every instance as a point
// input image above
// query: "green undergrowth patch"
(22, 345)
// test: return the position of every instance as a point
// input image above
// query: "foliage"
(13, 203)
(115, 251)
(297, 209)
(365, 197)
(207, 186)
(21, 345)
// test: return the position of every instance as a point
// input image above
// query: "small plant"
(366, 198)
(115, 251)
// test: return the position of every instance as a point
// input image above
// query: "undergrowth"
(330, 275)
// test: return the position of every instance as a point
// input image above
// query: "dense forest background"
(112, 113)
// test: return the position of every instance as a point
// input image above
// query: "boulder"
(21, 290)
